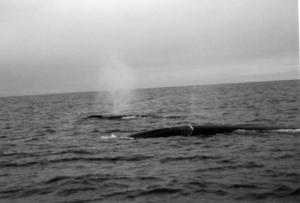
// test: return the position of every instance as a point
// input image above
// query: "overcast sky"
(51, 46)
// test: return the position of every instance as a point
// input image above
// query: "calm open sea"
(51, 152)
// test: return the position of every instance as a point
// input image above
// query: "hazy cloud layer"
(64, 45)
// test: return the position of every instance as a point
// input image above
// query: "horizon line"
(143, 88)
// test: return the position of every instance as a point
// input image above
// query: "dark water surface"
(51, 151)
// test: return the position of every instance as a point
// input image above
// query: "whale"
(128, 116)
(201, 130)
(116, 117)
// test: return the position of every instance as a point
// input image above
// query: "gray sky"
(51, 46)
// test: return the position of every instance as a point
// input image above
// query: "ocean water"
(51, 151)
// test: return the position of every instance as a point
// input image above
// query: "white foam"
(288, 130)
(128, 117)
(111, 136)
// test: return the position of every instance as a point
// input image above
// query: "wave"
(98, 177)
(145, 192)
(158, 191)
(42, 154)
(76, 159)
(64, 185)
(248, 165)
(190, 158)
(281, 191)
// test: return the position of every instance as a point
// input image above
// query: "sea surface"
(51, 150)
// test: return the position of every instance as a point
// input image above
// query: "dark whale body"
(108, 117)
(199, 130)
